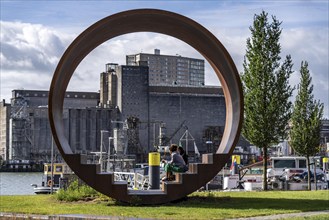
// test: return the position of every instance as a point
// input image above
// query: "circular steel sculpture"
(175, 25)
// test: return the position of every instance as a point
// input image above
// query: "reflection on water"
(18, 183)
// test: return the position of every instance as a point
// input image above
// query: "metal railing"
(135, 181)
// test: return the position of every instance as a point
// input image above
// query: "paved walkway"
(90, 217)
(286, 216)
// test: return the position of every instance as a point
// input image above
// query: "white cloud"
(311, 45)
(30, 53)
(31, 46)
(13, 79)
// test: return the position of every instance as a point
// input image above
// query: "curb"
(286, 216)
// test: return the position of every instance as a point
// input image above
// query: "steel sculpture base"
(175, 25)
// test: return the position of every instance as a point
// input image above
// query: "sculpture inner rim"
(158, 21)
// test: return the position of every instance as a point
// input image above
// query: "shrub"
(76, 192)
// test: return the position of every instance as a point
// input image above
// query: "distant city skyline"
(35, 34)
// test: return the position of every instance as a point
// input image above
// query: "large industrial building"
(139, 110)
(132, 114)
(164, 112)
(25, 131)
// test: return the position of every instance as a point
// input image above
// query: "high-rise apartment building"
(170, 70)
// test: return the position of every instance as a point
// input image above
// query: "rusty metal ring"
(158, 21)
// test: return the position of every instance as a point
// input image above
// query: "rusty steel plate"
(180, 27)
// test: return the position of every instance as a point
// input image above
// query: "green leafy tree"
(306, 120)
(266, 87)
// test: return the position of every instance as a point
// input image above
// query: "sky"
(35, 34)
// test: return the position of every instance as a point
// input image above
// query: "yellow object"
(325, 160)
(154, 159)
(236, 159)
(58, 168)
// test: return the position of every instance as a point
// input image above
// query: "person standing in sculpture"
(176, 164)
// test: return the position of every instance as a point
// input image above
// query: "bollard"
(154, 170)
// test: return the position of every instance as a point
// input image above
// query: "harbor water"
(18, 183)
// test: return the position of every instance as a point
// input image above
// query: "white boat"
(51, 184)
(43, 189)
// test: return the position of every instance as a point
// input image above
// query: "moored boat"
(53, 181)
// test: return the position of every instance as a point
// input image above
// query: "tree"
(306, 120)
(266, 87)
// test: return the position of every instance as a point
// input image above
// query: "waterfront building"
(25, 131)
(163, 112)
(142, 105)
(4, 129)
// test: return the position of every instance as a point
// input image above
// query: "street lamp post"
(108, 155)
(101, 150)
(52, 165)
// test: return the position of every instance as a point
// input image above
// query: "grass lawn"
(199, 205)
